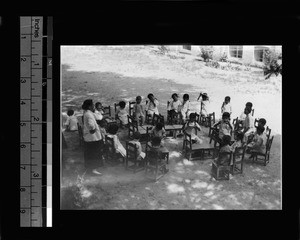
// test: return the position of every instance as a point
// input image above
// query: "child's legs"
(196, 138)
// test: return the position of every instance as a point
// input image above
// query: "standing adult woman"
(92, 139)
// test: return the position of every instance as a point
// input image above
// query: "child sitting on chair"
(156, 150)
(112, 132)
(151, 105)
(122, 114)
(225, 126)
(190, 126)
(102, 127)
(136, 140)
(185, 107)
(261, 123)
(258, 144)
(173, 106)
(243, 115)
(204, 104)
(158, 131)
(71, 122)
(225, 148)
(98, 112)
(226, 106)
(138, 110)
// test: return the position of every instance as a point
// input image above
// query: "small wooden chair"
(131, 108)
(132, 126)
(107, 111)
(263, 157)
(220, 171)
(132, 157)
(110, 152)
(238, 159)
(156, 163)
(252, 112)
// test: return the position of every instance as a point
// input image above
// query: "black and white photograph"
(171, 127)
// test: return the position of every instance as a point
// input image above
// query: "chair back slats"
(131, 108)
(107, 111)
(269, 144)
(131, 151)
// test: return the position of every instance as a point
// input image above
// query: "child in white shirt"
(138, 110)
(136, 140)
(185, 107)
(98, 111)
(112, 133)
(204, 107)
(151, 105)
(226, 106)
(122, 114)
(190, 127)
(71, 122)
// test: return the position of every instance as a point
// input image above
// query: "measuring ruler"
(35, 121)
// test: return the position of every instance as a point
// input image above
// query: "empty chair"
(221, 167)
(155, 164)
(133, 157)
(238, 159)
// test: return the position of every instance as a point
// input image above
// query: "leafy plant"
(206, 53)
(224, 57)
(271, 63)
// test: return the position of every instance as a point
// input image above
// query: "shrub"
(271, 65)
(223, 57)
(206, 53)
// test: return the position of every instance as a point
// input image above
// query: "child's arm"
(198, 127)
(216, 124)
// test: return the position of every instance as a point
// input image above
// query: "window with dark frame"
(236, 51)
(187, 47)
(259, 53)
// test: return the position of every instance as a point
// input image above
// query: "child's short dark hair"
(192, 116)
(122, 104)
(204, 96)
(227, 98)
(70, 112)
(239, 135)
(226, 140)
(226, 115)
(186, 96)
(155, 141)
(113, 129)
(97, 104)
(136, 135)
(150, 95)
(138, 98)
(262, 121)
(247, 109)
(174, 95)
(260, 129)
(249, 105)
(102, 123)
(159, 126)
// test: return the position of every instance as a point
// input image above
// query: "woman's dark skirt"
(93, 154)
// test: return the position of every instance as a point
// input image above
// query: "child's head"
(70, 112)
(227, 99)
(260, 130)
(151, 96)
(102, 123)
(138, 99)
(239, 136)
(136, 135)
(192, 117)
(247, 110)
(175, 96)
(262, 122)
(98, 105)
(204, 96)
(159, 126)
(249, 105)
(226, 140)
(156, 141)
(186, 97)
(226, 116)
(113, 129)
(88, 105)
(122, 104)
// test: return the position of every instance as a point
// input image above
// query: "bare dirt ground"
(109, 74)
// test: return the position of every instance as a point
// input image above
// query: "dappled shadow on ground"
(188, 184)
